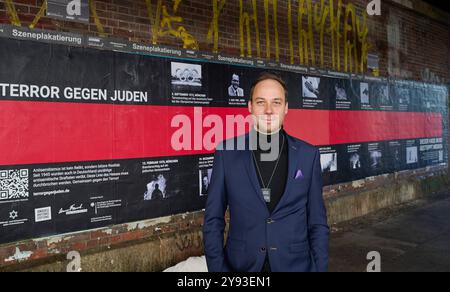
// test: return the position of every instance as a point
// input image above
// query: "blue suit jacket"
(295, 236)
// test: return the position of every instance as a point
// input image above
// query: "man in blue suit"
(278, 220)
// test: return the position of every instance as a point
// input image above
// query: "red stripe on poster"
(44, 132)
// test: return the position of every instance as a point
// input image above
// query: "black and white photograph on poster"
(412, 152)
(204, 181)
(355, 154)
(364, 93)
(163, 179)
(189, 84)
(395, 156)
(237, 85)
(186, 75)
(311, 87)
(315, 94)
(431, 152)
(433, 99)
(412, 155)
(380, 91)
(340, 95)
(402, 96)
(234, 90)
(231, 84)
(375, 157)
(156, 189)
(205, 165)
(328, 160)
(340, 89)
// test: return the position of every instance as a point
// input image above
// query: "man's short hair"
(269, 76)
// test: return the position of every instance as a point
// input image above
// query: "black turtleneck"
(266, 168)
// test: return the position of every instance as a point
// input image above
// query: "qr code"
(13, 184)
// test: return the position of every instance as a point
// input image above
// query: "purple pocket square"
(299, 174)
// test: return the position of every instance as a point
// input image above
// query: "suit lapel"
(293, 159)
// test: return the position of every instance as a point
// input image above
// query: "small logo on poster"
(43, 214)
(13, 215)
(73, 210)
(12, 219)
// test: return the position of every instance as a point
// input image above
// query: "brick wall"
(412, 43)
(419, 35)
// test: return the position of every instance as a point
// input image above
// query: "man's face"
(235, 83)
(268, 106)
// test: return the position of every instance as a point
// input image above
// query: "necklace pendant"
(267, 194)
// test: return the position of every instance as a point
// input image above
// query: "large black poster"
(86, 134)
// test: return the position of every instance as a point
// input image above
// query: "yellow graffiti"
(154, 19)
(306, 37)
(319, 25)
(349, 44)
(245, 29)
(12, 13)
(354, 60)
(213, 32)
(313, 23)
(39, 14)
(363, 32)
(290, 33)
(320, 19)
(164, 24)
(244, 26)
(14, 17)
(335, 34)
(275, 27)
(97, 22)
(266, 18)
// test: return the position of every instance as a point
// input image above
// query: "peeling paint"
(108, 231)
(149, 223)
(358, 184)
(19, 256)
(58, 239)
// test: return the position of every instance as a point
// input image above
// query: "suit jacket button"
(263, 249)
